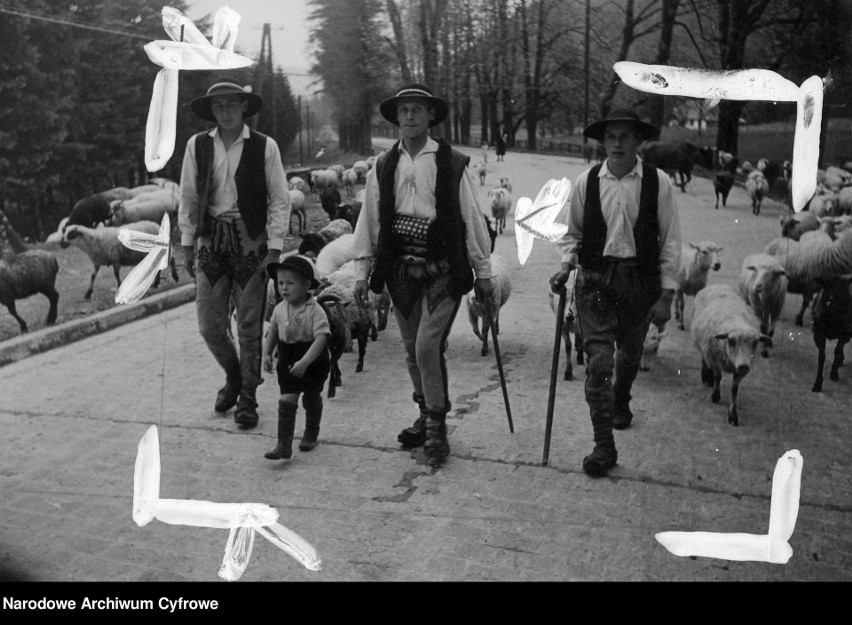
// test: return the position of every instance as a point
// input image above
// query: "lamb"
(25, 272)
(313, 242)
(832, 318)
(570, 326)
(844, 201)
(297, 208)
(501, 203)
(361, 168)
(505, 184)
(335, 254)
(299, 183)
(104, 248)
(725, 332)
(835, 178)
(757, 188)
(477, 310)
(695, 263)
(822, 204)
(651, 347)
(349, 179)
(337, 169)
(480, 169)
(763, 286)
(324, 179)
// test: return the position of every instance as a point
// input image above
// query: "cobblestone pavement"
(72, 419)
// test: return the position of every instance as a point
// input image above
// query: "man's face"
(621, 142)
(414, 116)
(228, 110)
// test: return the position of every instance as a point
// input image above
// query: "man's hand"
(361, 293)
(189, 259)
(662, 310)
(558, 280)
(272, 256)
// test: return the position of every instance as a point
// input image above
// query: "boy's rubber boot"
(286, 426)
(313, 415)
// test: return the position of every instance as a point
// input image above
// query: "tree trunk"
(626, 41)
(657, 102)
(399, 41)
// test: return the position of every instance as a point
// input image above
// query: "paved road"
(72, 419)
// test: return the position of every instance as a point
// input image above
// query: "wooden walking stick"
(493, 327)
(560, 317)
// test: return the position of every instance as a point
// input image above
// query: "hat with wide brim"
(301, 264)
(388, 108)
(645, 130)
(226, 86)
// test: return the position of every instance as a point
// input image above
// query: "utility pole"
(308, 118)
(586, 105)
(266, 64)
(301, 152)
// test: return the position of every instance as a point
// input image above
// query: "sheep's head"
(740, 347)
(707, 255)
(70, 233)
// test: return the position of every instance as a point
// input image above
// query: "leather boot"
(436, 446)
(415, 436)
(286, 426)
(227, 396)
(313, 415)
(246, 413)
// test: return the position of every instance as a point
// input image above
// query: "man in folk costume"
(624, 233)
(422, 234)
(233, 214)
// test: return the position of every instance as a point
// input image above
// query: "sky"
(290, 33)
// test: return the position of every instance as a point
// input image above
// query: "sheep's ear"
(765, 340)
(721, 337)
(692, 245)
(780, 272)
(751, 267)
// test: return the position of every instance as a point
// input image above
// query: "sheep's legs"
(706, 374)
(569, 369)
(485, 330)
(733, 417)
(14, 312)
(806, 299)
(53, 297)
(819, 340)
(88, 293)
(838, 360)
(362, 348)
(717, 392)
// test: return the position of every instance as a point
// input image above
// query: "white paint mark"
(770, 547)
(188, 50)
(243, 519)
(537, 219)
(140, 278)
(806, 142)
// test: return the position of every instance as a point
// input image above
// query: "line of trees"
(514, 65)
(75, 88)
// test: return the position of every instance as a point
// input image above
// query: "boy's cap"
(301, 264)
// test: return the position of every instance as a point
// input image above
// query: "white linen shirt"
(224, 202)
(620, 208)
(414, 182)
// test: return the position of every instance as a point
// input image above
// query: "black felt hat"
(226, 86)
(414, 90)
(300, 264)
(596, 130)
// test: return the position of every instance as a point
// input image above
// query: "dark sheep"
(677, 158)
(90, 211)
(330, 200)
(832, 318)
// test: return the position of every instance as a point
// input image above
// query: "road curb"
(46, 339)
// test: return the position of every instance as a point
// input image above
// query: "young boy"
(299, 328)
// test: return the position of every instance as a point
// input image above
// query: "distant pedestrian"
(234, 211)
(501, 146)
(484, 151)
(299, 328)
(624, 233)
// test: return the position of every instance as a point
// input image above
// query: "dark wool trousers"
(612, 309)
(228, 268)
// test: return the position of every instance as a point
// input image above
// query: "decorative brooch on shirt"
(410, 179)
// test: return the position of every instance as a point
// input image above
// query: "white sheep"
(757, 187)
(297, 208)
(25, 272)
(505, 184)
(813, 256)
(726, 333)
(144, 188)
(56, 237)
(763, 286)
(823, 203)
(798, 224)
(361, 168)
(501, 203)
(103, 248)
(651, 347)
(570, 325)
(324, 179)
(835, 178)
(349, 179)
(844, 201)
(337, 169)
(696, 262)
(476, 310)
(335, 254)
(299, 183)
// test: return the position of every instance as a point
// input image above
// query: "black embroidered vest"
(446, 239)
(646, 232)
(250, 180)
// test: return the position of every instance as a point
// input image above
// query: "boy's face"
(292, 285)
(414, 115)
(228, 111)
